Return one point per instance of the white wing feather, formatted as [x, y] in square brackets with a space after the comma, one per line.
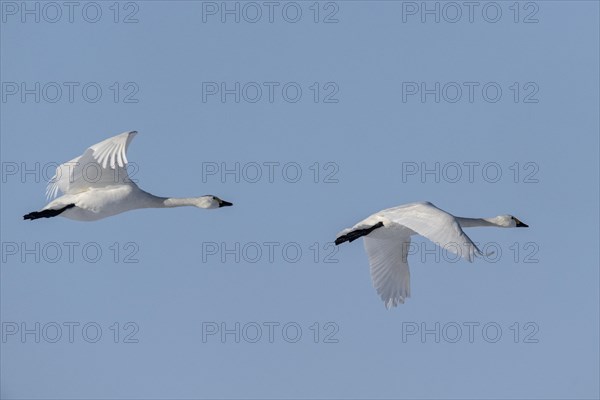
[389, 268]
[108, 160]
[435, 224]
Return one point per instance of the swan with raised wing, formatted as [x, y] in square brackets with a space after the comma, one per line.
[96, 185]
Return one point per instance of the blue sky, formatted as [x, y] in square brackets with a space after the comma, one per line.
[349, 102]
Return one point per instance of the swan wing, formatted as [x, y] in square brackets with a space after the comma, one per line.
[435, 224]
[101, 165]
[389, 268]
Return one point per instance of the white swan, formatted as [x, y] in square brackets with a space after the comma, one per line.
[387, 239]
[96, 185]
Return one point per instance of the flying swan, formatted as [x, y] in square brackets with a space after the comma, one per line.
[387, 238]
[96, 185]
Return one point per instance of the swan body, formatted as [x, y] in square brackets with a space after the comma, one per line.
[96, 185]
[387, 236]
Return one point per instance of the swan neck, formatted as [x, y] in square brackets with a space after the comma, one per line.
[475, 222]
[151, 201]
[180, 202]
[143, 199]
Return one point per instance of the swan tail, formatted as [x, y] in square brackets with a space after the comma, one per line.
[353, 235]
[47, 213]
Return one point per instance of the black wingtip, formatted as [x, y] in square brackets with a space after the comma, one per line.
[352, 236]
[46, 213]
[33, 215]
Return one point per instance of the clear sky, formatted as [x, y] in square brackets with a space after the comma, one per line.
[492, 109]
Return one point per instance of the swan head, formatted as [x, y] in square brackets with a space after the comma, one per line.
[509, 221]
[211, 201]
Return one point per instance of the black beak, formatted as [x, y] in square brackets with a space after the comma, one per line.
[521, 224]
[224, 203]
